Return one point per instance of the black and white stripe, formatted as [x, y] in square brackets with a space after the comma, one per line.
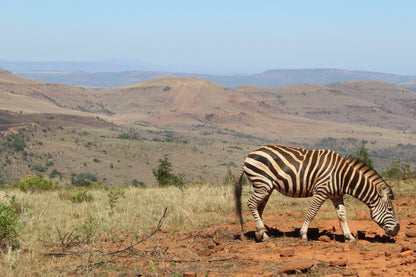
[320, 174]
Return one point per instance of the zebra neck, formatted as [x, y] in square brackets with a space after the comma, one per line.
[357, 185]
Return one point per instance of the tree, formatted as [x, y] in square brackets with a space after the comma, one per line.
[400, 170]
[164, 174]
[362, 153]
[229, 178]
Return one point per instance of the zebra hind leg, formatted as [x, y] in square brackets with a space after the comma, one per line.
[256, 204]
[317, 200]
[342, 217]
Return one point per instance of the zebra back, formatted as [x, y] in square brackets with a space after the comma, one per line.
[371, 174]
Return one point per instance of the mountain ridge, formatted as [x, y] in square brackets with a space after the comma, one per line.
[269, 78]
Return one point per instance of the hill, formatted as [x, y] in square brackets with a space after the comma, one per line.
[55, 96]
[270, 78]
[119, 134]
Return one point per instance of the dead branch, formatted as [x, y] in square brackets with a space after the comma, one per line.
[68, 239]
[198, 260]
[159, 225]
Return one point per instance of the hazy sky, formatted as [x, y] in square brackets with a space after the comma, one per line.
[225, 34]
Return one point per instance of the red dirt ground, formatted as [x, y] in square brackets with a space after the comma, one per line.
[217, 250]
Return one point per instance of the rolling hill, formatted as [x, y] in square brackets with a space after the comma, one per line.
[270, 78]
[120, 133]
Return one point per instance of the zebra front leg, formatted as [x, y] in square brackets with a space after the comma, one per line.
[342, 217]
[317, 200]
[256, 204]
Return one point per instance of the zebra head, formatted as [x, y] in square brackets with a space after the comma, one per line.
[382, 211]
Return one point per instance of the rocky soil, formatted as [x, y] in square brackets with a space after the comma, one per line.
[218, 250]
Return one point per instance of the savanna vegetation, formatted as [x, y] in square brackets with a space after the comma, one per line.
[77, 229]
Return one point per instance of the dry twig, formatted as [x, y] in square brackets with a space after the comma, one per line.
[159, 225]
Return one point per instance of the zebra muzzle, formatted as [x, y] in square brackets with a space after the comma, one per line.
[392, 232]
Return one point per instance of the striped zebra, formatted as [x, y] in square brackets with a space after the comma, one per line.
[319, 174]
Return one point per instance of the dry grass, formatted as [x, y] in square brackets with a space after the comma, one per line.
[47, 218]
[53, 224]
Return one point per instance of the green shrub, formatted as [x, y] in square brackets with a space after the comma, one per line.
[9, 226]
[83, 179]
[229, 178]
[89, 228]
[55, 173]
[81, 196]
[34, 183]
[138, 184]
[165, 176]
[362, 154]
[400, 170]
[114, 194]
[39, 168]
[16, 142]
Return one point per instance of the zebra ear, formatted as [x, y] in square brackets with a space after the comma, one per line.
[382, 192]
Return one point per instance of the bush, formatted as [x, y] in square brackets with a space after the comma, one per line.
[39, 168]
[34, 183]
[229, 178]
[9, 227]
[83, 179]
[16, 142]
[165, 176]
[362, 154]
[138, 184]
[55, 173]
[400, 170]
[82, 196]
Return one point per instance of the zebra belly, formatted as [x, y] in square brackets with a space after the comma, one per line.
[299, 192]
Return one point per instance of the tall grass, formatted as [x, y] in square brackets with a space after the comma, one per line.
[50, 220]
[48, 217]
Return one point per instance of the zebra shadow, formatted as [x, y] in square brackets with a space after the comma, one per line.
[314, 234]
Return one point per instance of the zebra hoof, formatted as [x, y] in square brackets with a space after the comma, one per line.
[261, 236]
[353, 241]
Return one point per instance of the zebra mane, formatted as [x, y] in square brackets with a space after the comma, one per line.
[369, 171]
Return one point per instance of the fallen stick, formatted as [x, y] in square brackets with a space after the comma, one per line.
[199, 260]
[159, 225]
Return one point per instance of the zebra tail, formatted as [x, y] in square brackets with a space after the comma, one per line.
[238, 188]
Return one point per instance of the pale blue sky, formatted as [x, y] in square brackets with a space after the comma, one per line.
[233, 35]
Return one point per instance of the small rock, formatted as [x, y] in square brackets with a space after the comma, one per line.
[412, 221]
[338, 262]
[287, 252]
[189, 274]
[324, 238]
[406, 253]
[411, 232]
[296, 265]
[376, 272]
[408, 246]
[364, 273]
[204, 252]
[268, 274]
[270, 245]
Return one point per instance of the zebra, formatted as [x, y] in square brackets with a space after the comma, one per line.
[320, 174]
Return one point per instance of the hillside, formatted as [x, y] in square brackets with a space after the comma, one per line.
[53, 95]
[119, 134]
[270, 78]
[372, 103]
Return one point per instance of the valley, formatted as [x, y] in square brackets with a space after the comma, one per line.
[119, 134]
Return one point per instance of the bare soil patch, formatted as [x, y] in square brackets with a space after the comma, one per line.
[218, 251]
